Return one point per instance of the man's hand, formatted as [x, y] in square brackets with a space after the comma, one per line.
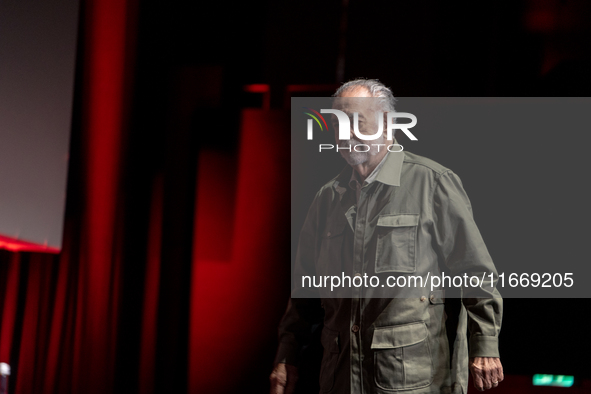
[487, 372]
[283, 379]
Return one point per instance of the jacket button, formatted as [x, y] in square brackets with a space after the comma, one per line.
[423, 298]
[355, 328]
[328, 234]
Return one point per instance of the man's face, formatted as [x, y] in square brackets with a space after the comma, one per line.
[360, 101]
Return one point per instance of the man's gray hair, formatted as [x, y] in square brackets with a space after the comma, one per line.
[375, 89]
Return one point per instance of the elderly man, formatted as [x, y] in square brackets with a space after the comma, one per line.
[387, 213]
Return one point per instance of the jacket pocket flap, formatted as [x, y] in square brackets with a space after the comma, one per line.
[398, 336]
[394, 220]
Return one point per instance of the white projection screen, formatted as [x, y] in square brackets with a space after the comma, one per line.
[37, 62]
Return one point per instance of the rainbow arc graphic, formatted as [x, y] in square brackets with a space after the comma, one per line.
[315, 117]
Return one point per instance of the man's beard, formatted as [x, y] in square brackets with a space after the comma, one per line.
[355, 158]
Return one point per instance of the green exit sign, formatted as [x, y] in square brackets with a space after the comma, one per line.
[553, 380]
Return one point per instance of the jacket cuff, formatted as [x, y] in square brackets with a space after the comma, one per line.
[484, 346]
[287, 353]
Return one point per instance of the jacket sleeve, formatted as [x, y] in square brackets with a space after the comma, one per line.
[303, 309]
[463, 250]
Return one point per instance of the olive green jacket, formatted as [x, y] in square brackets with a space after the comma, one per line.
[413, 218]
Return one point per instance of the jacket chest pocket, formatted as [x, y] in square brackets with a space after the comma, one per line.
[396, 238]
[402, 357]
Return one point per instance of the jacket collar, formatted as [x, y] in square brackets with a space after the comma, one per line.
[389, 174]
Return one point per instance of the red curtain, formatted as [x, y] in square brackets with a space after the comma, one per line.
[59, 312]
[239, 293]
[171, 265]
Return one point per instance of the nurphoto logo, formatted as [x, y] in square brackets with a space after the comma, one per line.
[344, 125]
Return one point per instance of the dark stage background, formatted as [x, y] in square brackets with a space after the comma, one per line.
[175, 265]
